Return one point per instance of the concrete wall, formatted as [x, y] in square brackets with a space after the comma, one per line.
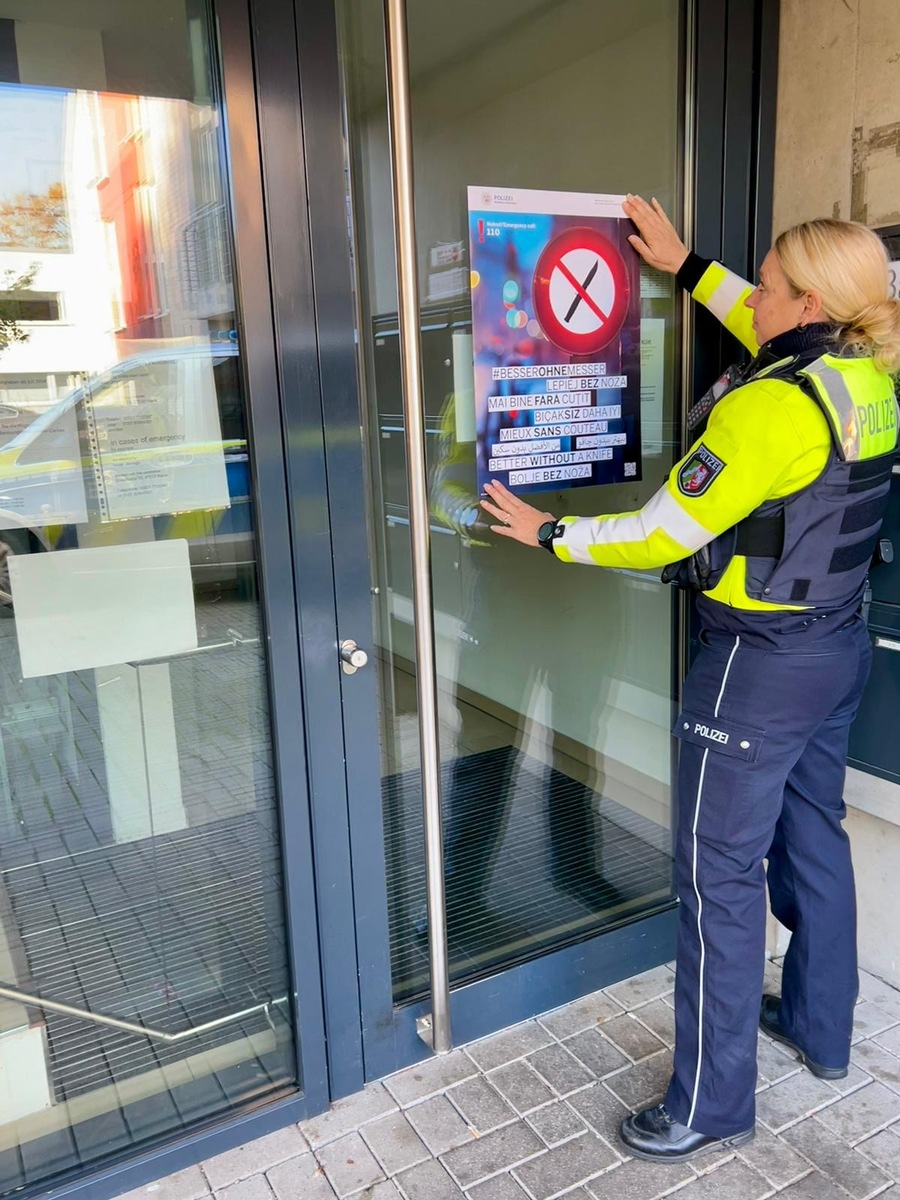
[838, 142]
[838, 154]
[876, 855]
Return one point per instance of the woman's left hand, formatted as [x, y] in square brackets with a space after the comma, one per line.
[519, 520]
[657, 240]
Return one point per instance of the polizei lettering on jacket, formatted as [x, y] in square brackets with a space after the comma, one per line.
[876, 416]
[714, 735]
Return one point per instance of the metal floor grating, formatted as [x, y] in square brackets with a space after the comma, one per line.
[533, 859]
[169, 933]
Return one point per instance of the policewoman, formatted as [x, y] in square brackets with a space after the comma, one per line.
[773, 517]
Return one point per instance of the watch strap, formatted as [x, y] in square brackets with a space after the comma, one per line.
[546, 539]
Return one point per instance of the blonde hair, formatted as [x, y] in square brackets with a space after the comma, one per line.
[847, 265]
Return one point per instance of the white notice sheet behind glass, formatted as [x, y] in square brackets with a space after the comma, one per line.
[77, 609]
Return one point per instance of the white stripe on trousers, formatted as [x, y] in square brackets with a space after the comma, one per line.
[690, 1120]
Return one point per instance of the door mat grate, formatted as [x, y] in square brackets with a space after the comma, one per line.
[169, 932]
[534, 860]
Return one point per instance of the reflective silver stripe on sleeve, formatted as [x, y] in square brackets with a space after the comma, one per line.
[662, 513]
[727, 294]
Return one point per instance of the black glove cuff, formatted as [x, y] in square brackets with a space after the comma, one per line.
[692, 271]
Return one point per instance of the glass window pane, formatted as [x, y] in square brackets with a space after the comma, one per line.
[556, 682]
[140, 884]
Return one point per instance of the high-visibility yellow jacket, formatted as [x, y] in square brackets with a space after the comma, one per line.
[767, 441]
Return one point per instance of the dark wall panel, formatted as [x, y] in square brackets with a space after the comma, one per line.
[9, 58]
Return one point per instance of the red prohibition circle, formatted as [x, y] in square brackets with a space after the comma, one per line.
[580, 310]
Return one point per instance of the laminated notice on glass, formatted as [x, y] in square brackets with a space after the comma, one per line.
[556, 339]
[140, 439]
[154, 435]
[41, 478]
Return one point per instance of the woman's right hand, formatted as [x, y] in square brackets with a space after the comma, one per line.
[657, 240]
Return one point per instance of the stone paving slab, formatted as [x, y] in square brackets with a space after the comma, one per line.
[658, 1017]
[558, 1122]
[439, 1125]
[835, 1159]
[395, 1143]
[532, 1113]
[520, 1086]
[774, 1159]
[480, 1105]
[635, 1180]
[255, 1157]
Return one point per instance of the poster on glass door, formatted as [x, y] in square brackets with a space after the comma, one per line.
[556, 339]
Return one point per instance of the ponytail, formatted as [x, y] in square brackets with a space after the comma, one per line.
[876, 331]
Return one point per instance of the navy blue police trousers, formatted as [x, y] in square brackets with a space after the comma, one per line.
[764, 736]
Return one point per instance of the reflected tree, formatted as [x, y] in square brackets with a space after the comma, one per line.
[12, 289]
[35, 220]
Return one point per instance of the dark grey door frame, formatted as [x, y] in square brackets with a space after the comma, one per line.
[735, 86]
[301, 147]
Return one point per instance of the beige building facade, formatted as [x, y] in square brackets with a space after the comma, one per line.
[838, 154]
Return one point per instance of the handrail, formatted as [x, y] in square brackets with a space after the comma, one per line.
[85, 1014]
[438, 1028]
[237, 639]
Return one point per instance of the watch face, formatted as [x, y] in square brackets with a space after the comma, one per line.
[546, 531]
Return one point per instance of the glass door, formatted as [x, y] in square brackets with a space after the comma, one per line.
[556, 682]
[144, 978]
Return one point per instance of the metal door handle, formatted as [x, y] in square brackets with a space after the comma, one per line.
[884, 643]
[352, 658]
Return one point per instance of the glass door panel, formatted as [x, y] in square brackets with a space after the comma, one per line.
[143, 973]
[556, 682]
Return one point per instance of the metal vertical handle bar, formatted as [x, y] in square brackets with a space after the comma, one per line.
[414, 421]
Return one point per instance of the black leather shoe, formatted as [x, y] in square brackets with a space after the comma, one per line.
[769, 1023]
[655, 1135]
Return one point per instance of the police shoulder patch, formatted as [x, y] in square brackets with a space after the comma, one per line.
[698, 472]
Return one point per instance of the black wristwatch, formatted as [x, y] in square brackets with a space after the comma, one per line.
[548, 533]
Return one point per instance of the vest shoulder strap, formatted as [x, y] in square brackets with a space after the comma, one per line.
[858, 403]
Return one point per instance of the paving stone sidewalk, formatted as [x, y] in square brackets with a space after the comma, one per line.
[531, 1114]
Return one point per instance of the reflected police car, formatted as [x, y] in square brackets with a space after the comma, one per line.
[158, 436]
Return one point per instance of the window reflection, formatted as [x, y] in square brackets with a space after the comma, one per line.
[139, 852]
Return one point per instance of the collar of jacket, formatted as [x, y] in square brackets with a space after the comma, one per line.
[821, 337]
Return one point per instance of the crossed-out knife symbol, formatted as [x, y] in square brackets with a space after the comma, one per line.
[580, 295]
